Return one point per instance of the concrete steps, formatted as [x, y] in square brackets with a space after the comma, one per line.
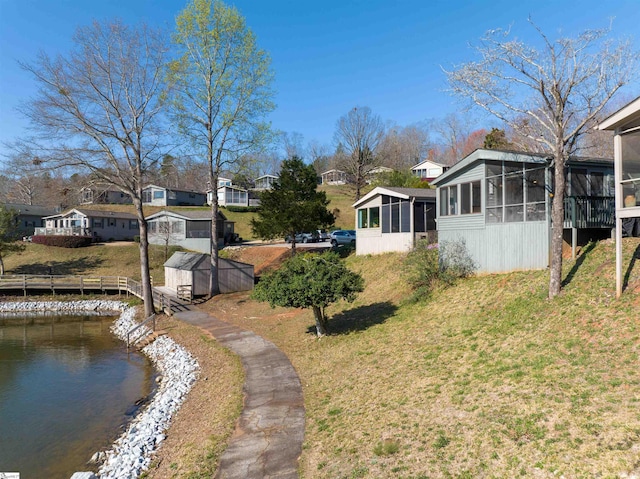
[149, 338]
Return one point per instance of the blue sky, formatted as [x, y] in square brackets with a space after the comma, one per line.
[328, 55]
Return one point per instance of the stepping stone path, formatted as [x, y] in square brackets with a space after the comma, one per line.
[268, 438]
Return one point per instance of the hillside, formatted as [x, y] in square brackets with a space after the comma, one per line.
[340, 197]
[488, 378]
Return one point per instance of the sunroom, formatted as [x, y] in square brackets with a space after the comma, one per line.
[499, 203]
[393, 219]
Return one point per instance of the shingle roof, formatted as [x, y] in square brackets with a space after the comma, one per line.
[35, 210]
[186, 261]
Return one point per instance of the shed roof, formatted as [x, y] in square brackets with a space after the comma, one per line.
[187, 261]
[482, 154]
[96, 214]
[194, 215]
[404, 193]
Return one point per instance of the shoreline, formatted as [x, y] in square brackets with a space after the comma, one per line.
[132, 451]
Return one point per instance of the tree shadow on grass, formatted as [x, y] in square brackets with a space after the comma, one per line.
[74, 266]
[578, 263]
[359, 319]
[634, 258]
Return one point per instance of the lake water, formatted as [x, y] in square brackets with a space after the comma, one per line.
[67, 387]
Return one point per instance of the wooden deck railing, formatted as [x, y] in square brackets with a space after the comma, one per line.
[589, 212]
[67, 283]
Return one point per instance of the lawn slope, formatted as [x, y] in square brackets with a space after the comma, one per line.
[486, 379]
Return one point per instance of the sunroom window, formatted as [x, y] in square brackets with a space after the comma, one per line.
[630, 153]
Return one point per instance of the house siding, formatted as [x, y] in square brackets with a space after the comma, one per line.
[372, 241]
[513, 246]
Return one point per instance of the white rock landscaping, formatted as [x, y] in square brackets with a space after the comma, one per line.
[131, 453]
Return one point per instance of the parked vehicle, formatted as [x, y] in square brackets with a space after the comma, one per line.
[303, 238]
[323, 235]
[339, 237]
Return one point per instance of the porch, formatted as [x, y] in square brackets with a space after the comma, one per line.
[71, 231]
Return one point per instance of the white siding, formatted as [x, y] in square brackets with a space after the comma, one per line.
[372, 241]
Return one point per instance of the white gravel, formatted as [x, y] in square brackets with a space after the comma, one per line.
[131, 453]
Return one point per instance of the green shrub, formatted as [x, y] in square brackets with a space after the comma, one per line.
[136, 238]
[243, 209]
[63, 241]
[430, 265]
[386, 448]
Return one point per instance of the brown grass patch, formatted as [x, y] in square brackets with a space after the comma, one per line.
[200, 429]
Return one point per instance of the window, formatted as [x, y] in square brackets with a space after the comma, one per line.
[515, 193]
[424, 216]
[158, 195]
[369, 217]
[630, 153]
[133, 224]
[444, 201]
[97, 223]
[363, 220]
[395, 215]
[146, 196]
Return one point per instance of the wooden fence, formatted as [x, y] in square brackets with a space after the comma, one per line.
[68, 283]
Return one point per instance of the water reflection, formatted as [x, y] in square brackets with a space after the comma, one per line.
[65, 386]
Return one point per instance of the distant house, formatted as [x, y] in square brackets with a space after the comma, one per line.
[264, 182]
[334, 177]
[190, 229]
[230, 196]
[428, 170]
[393, 219]
[29, 217]
[194, 270]
[154, 195]
[103, 195]
[499, 203]
[101, 225]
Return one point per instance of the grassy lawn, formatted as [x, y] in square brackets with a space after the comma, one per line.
[486, 379]
[103, 259]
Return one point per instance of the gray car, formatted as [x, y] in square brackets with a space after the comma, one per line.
[339, 237]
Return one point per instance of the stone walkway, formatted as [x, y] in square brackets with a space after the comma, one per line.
[268, 438]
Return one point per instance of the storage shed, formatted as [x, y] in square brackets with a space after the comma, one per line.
[193, 269]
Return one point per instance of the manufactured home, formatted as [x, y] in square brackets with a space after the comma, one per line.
[190, 229]
[393, 219]
[499, 204]
[153, 195]
[101, 225]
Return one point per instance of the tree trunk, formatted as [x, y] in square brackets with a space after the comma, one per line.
[557, 227]
[147, 291]
[214, 283]
[320, 323]
[293, 245]
[1, 266]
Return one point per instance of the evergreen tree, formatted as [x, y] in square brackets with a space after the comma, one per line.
[293, 205]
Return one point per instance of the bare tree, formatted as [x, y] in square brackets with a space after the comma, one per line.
[98, 109]
[292, 144]
[403, 147]
[221, 85]
[360, 132]
[560, 89]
